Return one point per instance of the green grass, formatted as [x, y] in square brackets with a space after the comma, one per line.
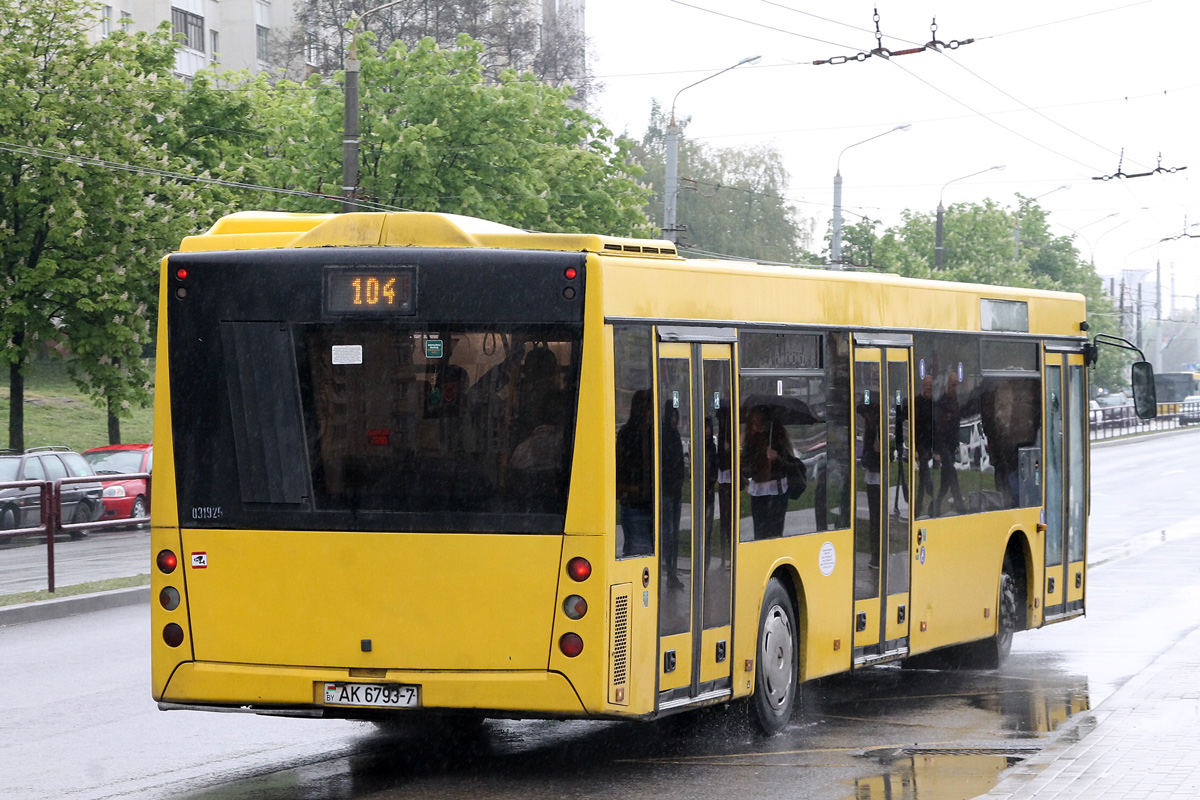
[79, 588]
[57, 413]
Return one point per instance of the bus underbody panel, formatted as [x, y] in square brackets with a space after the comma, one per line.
[225, 687]
[370, 600]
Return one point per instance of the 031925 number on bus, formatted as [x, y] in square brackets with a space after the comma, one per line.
[390, 695]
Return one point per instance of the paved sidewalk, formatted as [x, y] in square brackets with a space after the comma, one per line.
[1142, 743]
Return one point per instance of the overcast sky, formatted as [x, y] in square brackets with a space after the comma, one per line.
[1051, 90]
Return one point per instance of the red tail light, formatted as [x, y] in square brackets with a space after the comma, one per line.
[571, 644]
[167, 562]
[579, 569]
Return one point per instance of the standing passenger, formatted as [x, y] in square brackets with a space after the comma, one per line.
[635, 475]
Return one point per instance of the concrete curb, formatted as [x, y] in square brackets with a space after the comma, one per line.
[70, 606]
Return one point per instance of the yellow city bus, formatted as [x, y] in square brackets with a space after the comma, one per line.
[418, 466]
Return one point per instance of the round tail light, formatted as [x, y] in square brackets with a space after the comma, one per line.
[579, 569]
[571, 644]
[173, 636]
[575, 606]
[169, 598]
[167, 562]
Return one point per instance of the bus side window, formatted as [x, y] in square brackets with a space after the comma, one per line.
[633, 385]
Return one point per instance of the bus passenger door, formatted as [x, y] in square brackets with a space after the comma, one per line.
[1066, 486]
[882, 525]
[695, 522]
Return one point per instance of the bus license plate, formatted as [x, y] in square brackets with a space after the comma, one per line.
[389, 695]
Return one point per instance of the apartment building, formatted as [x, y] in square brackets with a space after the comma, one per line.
[255, 35]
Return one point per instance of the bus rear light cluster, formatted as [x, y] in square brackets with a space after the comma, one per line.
[579, 569]
[571, 644]
[173, 635]
[575, 607]
[167, 562]
[168, 598]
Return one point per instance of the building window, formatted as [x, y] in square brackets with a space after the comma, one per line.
[126, 20]
[106, 20]
[215, 40]
[190, 27]
[262, 40]
[312, 47]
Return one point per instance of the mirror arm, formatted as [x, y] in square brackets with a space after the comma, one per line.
[1092, 350]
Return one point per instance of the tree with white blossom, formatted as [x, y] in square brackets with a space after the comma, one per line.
[94, 140]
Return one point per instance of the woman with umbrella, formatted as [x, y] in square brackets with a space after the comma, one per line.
[768, 464]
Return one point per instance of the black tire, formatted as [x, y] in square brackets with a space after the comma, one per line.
[776, 676]
[1007, 612]
[139, 509]
[8, 519]
[81, 515]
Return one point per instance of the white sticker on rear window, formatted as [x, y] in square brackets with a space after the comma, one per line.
[347, 354]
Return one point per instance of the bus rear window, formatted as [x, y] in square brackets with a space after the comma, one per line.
[374, 426]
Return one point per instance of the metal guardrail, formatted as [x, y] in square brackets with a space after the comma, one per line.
[1113, 422]
[50, 507]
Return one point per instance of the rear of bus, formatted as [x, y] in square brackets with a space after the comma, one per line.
[367, 457]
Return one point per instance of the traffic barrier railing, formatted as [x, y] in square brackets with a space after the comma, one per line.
[50, 512]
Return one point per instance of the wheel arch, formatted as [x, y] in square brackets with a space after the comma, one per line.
[1019, 552]
[793, 584]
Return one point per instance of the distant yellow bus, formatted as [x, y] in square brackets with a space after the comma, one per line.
[425, 467]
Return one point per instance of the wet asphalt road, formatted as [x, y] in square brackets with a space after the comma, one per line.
[78, 721]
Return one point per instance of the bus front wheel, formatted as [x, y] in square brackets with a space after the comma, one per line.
[777, 686]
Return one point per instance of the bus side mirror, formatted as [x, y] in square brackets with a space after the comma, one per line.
[1145, 402]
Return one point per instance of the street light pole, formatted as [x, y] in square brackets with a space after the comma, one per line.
[350, 115]
[1021, 212]
[938, 249]
[1091, 249]
[835, 249]
[671, 189]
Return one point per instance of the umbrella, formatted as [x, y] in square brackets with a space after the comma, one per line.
[784, 410]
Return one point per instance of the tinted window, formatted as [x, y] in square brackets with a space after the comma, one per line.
[634, 401]
[378, 426]
[433, 421]
[33, 470]
[55, 468]
[77, 465]
[794, 401]
[8, 468]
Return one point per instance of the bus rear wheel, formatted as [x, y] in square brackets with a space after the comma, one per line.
[776, 681]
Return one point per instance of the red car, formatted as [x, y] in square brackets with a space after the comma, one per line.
[123, 498]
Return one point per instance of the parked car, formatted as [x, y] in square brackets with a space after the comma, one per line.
[1114, 410]
[123, 498]
[1189, 410]
[1095, 414]
[22, 508]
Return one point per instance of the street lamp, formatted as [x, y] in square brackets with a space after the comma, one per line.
[1091, 249]
[1092, 255]
[835, 250]
[671, 190]
[941, 213]
[350, 119]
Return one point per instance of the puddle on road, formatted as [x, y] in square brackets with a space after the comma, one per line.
[934, 777]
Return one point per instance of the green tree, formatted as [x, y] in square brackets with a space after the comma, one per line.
[730, 200]
[987, 243]
[90, 134]
[438, 136]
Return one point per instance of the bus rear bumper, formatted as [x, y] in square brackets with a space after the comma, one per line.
[299, 691]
